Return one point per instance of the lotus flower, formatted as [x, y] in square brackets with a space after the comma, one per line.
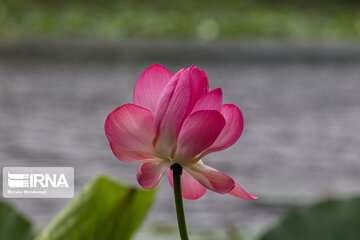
[176, 119]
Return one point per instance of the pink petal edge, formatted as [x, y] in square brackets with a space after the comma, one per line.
[131, 156]
[239, 192]
[131, 128]
[232, 130]
[199, 83]
[198, 132]
[210, 101]
[211, 178]
[150, 173]
[150, 85]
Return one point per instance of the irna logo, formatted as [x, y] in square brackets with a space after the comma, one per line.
[18, 180]
[38, 182]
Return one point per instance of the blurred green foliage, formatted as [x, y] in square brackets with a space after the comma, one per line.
[13, 225]
[104, 210]
[293, 20]
[328, 220]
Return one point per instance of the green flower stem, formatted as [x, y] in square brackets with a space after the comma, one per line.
[177, 171]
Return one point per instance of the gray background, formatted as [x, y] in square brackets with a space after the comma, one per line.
[301, 107]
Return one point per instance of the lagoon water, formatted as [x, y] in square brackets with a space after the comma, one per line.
[301, 140]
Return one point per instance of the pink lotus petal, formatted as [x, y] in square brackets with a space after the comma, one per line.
[149, 173]
[211, 178]
[150, 85]
[210, 101]
[190, 188]
[130, 156]
[199, 83]
[171, 111]
[176, 103]
[232, 130]
[241, 193]
[205, 80]
[198, 132]
[165, 98]
[131, 128]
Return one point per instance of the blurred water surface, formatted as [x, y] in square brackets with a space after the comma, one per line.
[301, 138]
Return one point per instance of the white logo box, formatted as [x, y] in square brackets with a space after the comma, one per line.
[38, 182]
